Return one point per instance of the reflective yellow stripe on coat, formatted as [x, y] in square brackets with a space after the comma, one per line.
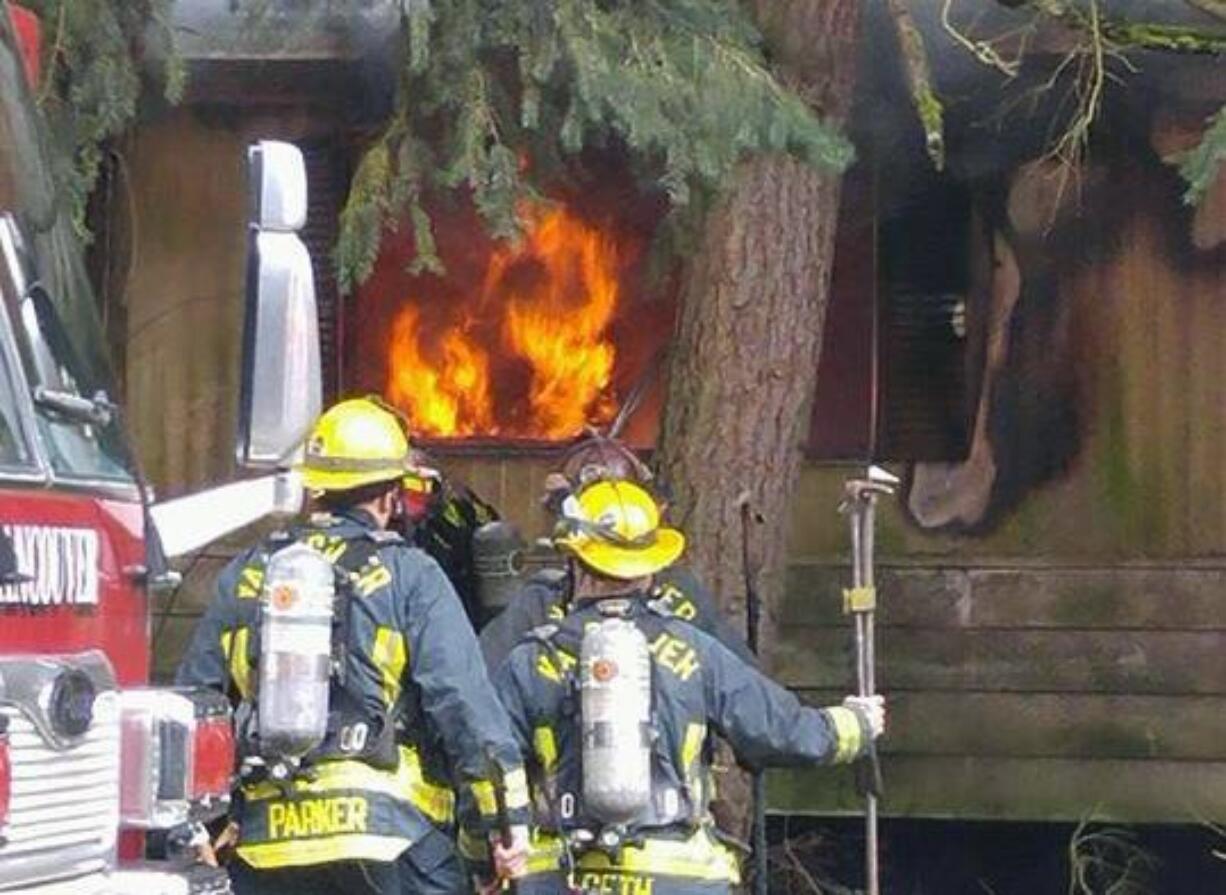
[234, 647]
[355, 846]
[515, 785]
[357, 782]
[407, 782]
[701, 857]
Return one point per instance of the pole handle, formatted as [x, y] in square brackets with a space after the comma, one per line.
[869, 781]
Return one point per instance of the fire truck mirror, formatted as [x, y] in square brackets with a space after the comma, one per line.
[277, 176]
[281, 384]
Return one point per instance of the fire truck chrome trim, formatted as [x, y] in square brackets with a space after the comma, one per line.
[153, 878]
[161, 783]
[28, 683]
[64, 814]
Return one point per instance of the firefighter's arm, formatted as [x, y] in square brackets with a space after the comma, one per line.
[204, 663]
[456, 694]
[528, 609]
[508, 857]
[505, 679]
[768, 726]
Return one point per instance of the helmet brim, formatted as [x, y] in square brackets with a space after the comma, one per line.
[337, 480]
[615, 561]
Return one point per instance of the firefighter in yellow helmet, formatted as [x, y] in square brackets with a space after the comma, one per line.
[404, 710]
[546, 595]
[616, 703]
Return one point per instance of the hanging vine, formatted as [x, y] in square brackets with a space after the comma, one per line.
[1097, 38]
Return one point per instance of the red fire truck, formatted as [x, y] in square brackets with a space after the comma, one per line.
[92, 759]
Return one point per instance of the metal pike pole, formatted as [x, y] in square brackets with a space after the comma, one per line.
[860, 601]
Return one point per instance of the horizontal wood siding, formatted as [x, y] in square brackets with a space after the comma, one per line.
[1047, 725]
[1072, 658]
[974, 787]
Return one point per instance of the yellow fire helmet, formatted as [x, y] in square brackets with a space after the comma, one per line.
[613, 527]
[354, 443]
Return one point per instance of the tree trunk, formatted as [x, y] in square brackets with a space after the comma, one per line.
[744, 365]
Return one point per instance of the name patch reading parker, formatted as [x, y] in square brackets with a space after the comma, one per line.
[60, 566]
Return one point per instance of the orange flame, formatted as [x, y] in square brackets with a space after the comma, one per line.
[450, 396]
[559, 325]
[547, 303]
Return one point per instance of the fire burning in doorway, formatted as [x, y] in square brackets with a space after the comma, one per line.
[532, 340]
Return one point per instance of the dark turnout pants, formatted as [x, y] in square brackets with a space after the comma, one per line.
[429, 867]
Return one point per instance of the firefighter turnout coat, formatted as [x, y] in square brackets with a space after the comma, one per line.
[699, 688]
[447, 535]
[411, 659]
[545, 598]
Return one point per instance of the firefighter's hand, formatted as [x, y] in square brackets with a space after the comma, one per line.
[511, 861]
[871, 709]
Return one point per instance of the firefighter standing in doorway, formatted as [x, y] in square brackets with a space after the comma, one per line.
[546, 596]
[615, 703]
[389, 668]
[441, 516]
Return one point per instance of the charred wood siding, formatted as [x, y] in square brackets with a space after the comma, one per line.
[923, 408]
[1069, 659]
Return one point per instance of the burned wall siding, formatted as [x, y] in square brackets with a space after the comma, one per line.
[1037, 231]
[1069, 658]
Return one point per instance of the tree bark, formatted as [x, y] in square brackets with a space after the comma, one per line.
[744, 364]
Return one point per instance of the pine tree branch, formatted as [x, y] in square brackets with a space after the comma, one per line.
[919, 81]
[92, 83]
[1201, 166]
[1069, 150]
[682, 85]
[53, 57]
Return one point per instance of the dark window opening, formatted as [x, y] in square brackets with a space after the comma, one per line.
[899, 295]
[925, 406]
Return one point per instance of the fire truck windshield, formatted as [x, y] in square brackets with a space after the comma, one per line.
[49, 303]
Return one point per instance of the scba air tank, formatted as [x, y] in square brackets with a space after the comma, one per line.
[615, 707]
[295, 651]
